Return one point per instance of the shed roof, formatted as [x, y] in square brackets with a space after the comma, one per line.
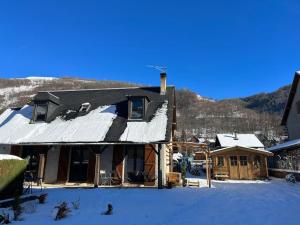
[256, 150]
[285, 145]
[245, 140]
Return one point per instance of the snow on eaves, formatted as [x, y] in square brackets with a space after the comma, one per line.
[146, 132]
[15, 127]
[284, 145]
[244, 140]
[9, 157]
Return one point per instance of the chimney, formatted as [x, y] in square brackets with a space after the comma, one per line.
[163, 83]
[235, 136]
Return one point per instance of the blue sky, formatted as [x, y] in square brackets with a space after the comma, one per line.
[217, 48]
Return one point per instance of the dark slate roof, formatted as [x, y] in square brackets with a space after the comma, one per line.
[67, 100]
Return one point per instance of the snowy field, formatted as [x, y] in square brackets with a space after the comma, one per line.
[232, 203]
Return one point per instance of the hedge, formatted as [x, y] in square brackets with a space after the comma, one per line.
[11, 177]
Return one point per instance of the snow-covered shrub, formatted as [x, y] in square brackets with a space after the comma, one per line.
[4, 218]
[61, 211]
[290, 178]
[109, 210]
[42, 198]
[76, 204]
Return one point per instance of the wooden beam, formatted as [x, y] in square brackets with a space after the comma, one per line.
[266, 162]
[97, 171]
[207, 178]
[41, 168]
[209, 171]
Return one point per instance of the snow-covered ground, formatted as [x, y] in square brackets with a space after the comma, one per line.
[267, 203]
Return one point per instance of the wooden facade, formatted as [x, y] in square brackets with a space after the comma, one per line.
[240, 163]
[81, 164]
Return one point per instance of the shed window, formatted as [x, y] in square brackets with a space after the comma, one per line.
[243, 160]
[136, 107]
[233, 160]
[40, 112]
[220, 161]
[257, 161]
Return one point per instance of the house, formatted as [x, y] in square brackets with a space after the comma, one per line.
[239, 156]
[81, 136]
[287, 155]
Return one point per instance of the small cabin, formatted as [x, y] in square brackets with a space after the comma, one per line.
[240, 163]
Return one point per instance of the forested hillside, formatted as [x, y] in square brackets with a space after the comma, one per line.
[196, 115]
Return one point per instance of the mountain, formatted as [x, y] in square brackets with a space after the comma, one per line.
[196, 115]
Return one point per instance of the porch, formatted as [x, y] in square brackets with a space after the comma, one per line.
[94, 165]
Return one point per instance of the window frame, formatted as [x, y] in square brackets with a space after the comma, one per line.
[35, 112]
[236, 160]
[218, 161]
[243, 162]
[130, 106]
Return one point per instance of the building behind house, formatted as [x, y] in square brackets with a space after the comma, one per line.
[287, 155]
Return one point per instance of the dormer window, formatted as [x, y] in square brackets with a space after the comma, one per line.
[136, 108]
[85, 107]
[40, 112]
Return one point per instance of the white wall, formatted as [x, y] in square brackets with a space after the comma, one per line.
[52, 165]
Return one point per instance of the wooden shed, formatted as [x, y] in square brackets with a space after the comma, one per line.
[240, 163]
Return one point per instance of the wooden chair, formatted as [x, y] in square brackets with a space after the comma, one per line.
[105, 178]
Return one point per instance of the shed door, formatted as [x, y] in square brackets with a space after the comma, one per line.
[234, 169]
[243, 167]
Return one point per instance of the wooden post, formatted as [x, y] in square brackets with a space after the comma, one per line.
[160, 179]
[97, 171]
[41, 168]
[266, 162]
[207, 175]
[209, 172]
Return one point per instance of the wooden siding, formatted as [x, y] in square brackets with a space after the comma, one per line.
[149, 165]
[63, 165]
[239, 171]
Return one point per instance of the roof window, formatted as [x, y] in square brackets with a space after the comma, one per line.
[85, 107]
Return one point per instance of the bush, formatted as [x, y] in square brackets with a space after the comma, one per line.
[12, 177]
[62, 211]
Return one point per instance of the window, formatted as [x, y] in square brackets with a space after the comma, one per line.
[256, 161]
[220, 162]
[40, 112]
[136, 109]
[85, 107]
[233, 160]
[243, 160]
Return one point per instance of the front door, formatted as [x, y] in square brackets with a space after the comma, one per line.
[79, 164]
[243, 167]
[234, 169]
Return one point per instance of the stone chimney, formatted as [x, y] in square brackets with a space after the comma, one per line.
[163, 83]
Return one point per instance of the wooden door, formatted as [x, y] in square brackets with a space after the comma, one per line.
[117, 167]
[63, 164]
[149, 165]
[256, 167]
[243, 167]
[233, 167]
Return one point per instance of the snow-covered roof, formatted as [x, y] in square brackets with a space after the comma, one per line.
[258, 150]
[245, 140]
[9, 157]
[16, 128]
[145, 132]
[284, 145]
